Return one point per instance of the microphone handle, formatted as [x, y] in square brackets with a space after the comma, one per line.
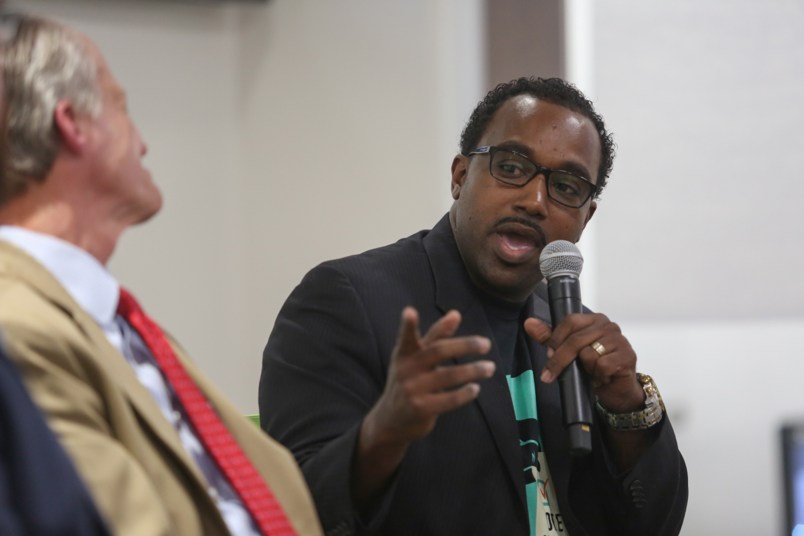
[564, 293]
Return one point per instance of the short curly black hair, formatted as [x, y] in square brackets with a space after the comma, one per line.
[554, 90]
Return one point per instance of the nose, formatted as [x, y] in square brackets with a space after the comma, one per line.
[138, 136]
[532, 197]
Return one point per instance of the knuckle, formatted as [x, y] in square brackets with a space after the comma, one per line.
[419, 405]
[409, 389]
[471, 346]
[459, 375]
[439, 349]
[400, 371]
[575, 340]
[471, 370]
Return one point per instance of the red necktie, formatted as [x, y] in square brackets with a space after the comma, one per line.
[244, 478]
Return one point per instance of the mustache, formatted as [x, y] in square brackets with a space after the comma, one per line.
[523, 221]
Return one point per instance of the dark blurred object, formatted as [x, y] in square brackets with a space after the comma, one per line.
[40, 491]
[792, 438]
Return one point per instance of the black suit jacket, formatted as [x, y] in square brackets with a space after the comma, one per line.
[40, 491]
[325, 365]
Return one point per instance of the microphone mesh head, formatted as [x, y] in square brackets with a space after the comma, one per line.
[560, 257]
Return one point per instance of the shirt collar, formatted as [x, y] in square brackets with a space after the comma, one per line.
[85, 279]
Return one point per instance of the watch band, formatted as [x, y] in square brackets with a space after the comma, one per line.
[643, 419]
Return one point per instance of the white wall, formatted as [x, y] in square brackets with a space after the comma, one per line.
[282, 134]
[698, 244]
[704, 99]
[728, 386]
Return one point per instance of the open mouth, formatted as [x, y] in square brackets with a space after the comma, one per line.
[518, 242]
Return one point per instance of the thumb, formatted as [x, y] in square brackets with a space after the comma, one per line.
[538, 330]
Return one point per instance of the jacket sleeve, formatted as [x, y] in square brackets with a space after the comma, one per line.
[650, 498]
[322, 372]
[656, 489]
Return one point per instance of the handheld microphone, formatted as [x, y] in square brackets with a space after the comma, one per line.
[561, 263]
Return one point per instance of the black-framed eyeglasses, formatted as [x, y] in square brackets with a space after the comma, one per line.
[516, 169]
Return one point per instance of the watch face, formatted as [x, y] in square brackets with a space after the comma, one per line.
[651, 392]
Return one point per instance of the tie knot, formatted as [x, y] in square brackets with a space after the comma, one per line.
[126, 304]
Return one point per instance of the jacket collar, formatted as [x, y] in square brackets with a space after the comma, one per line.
[16, 264]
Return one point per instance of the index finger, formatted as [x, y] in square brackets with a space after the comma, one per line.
[408, 339]
[572, 334]
[444, 327]
[571, 328]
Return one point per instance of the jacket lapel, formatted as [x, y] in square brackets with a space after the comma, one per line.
[453, 291]
[18, 265]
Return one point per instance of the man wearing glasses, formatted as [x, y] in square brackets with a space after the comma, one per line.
[458, 430]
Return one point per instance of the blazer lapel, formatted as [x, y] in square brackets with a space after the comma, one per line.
[19, 265]
[453, 291]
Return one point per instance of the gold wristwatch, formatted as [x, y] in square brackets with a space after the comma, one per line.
[643, 419]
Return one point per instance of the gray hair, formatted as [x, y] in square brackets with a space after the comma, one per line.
[42, 64]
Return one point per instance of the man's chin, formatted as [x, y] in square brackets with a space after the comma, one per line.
[150, 209]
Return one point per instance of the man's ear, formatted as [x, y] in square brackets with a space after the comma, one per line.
[71, 127]
[459, 164]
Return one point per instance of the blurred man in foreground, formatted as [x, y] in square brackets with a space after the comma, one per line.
[34, 470]
[159, 448]
[458, 430]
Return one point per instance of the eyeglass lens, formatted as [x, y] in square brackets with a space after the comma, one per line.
[511, 168]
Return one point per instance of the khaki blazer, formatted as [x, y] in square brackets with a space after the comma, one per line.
[130, 457]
